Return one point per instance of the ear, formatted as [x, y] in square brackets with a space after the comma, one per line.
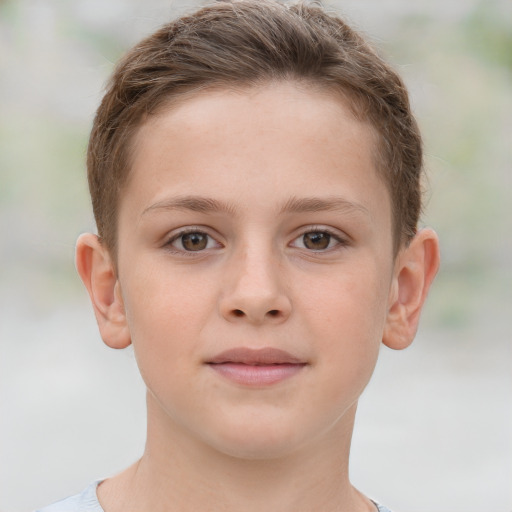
[96, 269]
[415, 268]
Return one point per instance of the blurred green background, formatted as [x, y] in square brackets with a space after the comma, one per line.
[55, 56]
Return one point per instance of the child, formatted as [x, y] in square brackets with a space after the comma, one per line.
[255, 177]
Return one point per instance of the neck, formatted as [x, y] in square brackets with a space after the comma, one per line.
[179, 473]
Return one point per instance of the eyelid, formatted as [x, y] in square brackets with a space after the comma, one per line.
[342, 239]
[177, 233]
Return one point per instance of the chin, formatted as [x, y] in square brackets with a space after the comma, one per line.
[252, 450]
[258, 441]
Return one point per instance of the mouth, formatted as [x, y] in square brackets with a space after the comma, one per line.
[256, 367]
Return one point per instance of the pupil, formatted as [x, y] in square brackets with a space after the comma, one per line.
[317, 240]
[194, 241]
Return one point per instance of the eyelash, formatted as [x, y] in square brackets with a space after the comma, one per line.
[189, 231]
[340, 241]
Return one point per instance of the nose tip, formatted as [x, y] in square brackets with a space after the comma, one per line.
[255, 301]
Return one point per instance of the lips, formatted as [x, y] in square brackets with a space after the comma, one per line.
[256, 367]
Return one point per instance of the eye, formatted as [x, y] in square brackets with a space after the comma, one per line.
[317, 240]
[193, 241]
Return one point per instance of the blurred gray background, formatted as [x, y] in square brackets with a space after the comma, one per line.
[434, 431]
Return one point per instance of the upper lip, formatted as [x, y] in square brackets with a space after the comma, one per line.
[260, 356]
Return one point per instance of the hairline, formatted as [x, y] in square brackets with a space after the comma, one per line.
[173, 99]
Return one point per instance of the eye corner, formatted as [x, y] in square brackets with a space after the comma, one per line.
[319, 240]
[190, 241]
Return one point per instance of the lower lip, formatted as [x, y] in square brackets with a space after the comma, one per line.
[257, 375]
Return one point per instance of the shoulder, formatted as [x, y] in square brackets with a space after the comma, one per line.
[381, 508]
[87, 501]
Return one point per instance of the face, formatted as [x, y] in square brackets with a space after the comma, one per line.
[255, 267]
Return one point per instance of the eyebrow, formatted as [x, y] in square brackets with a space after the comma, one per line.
[192, 203]
[315, 204]
[293, 205]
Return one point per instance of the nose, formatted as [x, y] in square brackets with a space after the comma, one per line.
[254, 290]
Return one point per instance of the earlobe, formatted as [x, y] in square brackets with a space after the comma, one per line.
[97, 272]
[415, 269]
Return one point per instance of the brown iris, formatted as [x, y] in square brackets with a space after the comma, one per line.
[194, 241]
[316, 240]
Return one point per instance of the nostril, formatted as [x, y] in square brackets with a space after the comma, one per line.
[238, 312]
[273, 312]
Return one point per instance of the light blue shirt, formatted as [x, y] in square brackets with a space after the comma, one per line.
[87, 501]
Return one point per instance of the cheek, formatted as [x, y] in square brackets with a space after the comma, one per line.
[351, 304]
[346, 318]
[167, 299]
[165, 315]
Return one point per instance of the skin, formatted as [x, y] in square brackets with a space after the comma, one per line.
[255, 175]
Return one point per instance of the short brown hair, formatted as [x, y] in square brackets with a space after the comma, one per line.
[246, 43]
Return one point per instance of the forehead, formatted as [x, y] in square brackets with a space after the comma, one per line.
[237, 141]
